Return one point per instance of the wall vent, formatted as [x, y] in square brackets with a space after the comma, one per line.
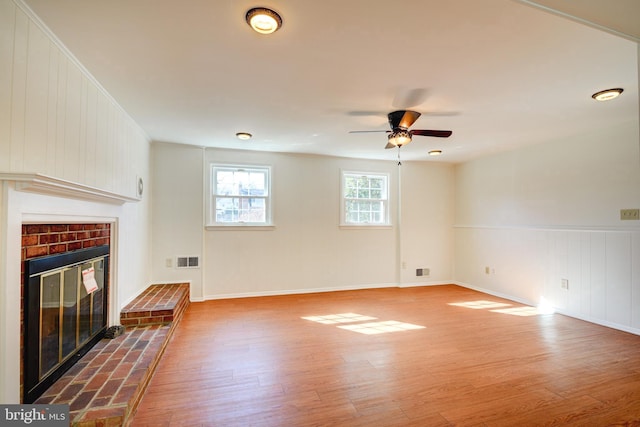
[187, 262]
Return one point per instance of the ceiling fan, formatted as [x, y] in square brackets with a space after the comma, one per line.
[400, 121]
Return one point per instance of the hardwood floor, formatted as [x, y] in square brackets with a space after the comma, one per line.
[257, 362]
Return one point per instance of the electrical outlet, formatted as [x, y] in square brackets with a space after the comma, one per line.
[630, 214]
[564, 283]
[168, 262]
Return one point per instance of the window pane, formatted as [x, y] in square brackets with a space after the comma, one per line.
[240, 209]
[225, 183]
[251, 210]
[240, 182]
[226, 209]
[256, 184]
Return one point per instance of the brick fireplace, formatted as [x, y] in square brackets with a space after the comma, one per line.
[41, 216]
[44, 242]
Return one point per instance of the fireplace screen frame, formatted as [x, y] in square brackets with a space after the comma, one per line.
[88, 327]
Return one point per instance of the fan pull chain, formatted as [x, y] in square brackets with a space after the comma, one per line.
[399, 162]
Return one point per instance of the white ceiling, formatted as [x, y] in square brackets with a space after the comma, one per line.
[498, 73]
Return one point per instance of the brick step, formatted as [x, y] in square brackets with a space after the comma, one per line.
[157, 305]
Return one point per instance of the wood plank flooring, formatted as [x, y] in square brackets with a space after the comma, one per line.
[257, 362]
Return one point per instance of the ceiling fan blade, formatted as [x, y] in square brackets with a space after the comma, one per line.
[368, 131]
[409, 98]
[365, 113]
[436, 133]
[403, 118]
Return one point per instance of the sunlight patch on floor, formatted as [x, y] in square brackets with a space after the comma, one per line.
[374, 328]
[503, 308]
[331, 319]
[355, 323]
[519, 311]
[480, 304]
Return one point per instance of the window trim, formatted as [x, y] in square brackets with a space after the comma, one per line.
[212, 224]
[387, 202]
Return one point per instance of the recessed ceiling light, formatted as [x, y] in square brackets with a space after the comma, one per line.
[244, 135]
[435, 152]
[263, 20]
[606, 95]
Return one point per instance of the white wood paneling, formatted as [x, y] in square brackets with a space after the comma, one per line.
[90, 135]
[60, 115]
[72, 124]
[618, 278]
[102, 121]
[52, 108]
[603, 269]
[598, 274]
[635, 280]
[574, 271]
[35, 130]
[56, 119]
[585, 274]
[18, 92]
[7, 42]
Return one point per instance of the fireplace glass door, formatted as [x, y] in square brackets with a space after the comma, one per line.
[62, 319]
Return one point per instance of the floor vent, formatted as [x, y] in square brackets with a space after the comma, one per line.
[187, 262]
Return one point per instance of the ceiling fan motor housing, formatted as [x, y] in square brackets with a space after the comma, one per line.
[402, 119]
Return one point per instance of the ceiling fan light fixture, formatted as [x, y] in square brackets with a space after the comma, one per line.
[243, 135]
[435, 152]
[263, 20]
[608, 94]
[399, 137]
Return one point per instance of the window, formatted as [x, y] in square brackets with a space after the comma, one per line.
[240, 195]
[365, 198]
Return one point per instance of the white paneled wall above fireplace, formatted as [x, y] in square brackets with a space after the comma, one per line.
[61, 129]
[55, 119]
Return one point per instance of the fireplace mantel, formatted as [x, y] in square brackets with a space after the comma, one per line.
[43, 184]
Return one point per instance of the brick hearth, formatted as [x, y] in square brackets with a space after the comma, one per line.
[106, 385]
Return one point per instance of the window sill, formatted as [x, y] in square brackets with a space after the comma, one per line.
[237, 227]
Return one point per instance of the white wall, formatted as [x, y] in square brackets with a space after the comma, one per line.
[55, 120]
[307, 250]
[177, 214]
[549, 212]
[427, 222]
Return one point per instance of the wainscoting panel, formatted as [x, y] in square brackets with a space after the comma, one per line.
[586, 273]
